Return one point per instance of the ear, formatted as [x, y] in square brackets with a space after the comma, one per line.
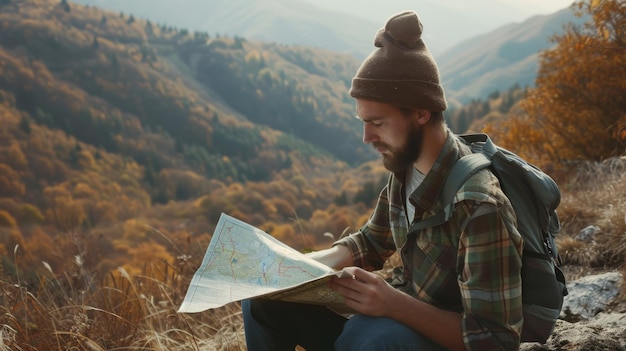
[423, 116]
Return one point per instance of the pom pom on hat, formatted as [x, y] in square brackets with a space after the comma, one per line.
[401, 71]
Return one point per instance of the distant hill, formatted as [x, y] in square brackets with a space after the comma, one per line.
[279, 21]
[496, 60]
[500, 59]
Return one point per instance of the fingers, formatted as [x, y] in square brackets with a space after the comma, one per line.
[358, 293]
[364, 291]
[347, 282]
[356, 273]
[350, 289]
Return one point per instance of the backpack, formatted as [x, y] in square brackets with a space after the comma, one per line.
[535, 197]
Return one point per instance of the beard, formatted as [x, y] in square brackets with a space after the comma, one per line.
[401, 158]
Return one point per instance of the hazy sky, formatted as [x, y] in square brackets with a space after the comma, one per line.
[448, 22]
[539, 6]
[507, 10]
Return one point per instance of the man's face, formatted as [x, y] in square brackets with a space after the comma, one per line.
[394, 133]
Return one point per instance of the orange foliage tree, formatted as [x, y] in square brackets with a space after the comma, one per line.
[10, 235]
[578, 108]
[10, 183]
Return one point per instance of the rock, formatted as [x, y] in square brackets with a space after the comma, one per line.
[588, 328]
[588, 233]
[590, 295]
[607, 333]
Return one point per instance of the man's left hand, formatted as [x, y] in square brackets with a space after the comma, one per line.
[366, 292]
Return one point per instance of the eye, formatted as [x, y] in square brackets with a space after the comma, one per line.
[376, 122]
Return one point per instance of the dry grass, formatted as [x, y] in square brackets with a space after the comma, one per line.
[595, 197]
[123, 313]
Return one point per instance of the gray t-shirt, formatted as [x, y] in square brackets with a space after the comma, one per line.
[413, 180]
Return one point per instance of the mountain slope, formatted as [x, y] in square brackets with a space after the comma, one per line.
[280, 21]
[501, 58]
[496, 60]
[111, 126]
[219, 107]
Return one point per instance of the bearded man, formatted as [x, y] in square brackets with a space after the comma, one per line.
[459, 283]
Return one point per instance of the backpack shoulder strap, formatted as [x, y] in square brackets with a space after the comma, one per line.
[462, 170]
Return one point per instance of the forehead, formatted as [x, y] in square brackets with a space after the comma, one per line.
[368, 109]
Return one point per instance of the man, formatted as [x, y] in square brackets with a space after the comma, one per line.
[460, 287]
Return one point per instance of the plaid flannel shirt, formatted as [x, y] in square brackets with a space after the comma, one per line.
[470, 264]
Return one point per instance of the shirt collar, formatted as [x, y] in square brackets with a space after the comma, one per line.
[426, 195]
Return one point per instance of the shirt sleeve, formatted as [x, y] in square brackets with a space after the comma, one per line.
[490, 281]
[373, 244]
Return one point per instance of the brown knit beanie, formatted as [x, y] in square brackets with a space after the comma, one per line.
[401, 71]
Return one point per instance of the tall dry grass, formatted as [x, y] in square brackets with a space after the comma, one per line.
[71, 311]
[595, 197]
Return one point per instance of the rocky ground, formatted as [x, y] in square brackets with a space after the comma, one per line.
[605, 331]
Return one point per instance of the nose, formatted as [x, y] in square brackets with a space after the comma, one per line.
[369, 135]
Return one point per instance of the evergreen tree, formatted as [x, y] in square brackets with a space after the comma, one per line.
[25, 125]
[114, 61]
[149, 28]
[65, 5]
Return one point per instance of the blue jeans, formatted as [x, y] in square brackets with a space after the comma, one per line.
[277, 326]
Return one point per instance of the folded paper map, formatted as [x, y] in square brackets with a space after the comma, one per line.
[243, 262]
